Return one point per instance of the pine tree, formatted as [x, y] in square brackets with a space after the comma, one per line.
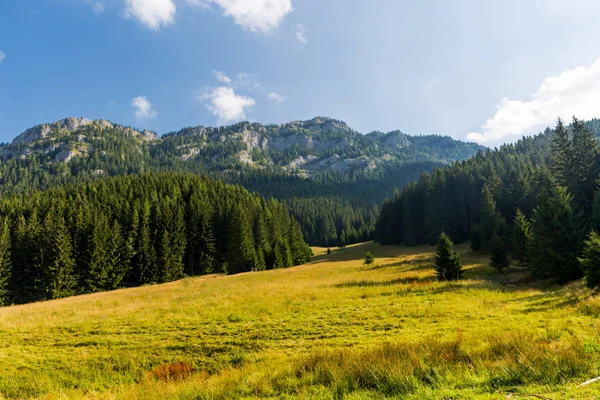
[521, 236]
[447, 262]
[556, 238]
[590, 261]
[369, 259]
[5, 263]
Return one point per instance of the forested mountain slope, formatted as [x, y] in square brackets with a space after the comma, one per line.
[134, 230]
[467, 199]
[332, 177]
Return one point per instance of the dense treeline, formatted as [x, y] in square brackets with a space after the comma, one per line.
[535, 200]
[137, 230]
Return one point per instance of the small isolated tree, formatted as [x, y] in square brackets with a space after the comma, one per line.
[369, 259]
[328, 251]
[499, 259]
[447, 262]
[590, 261]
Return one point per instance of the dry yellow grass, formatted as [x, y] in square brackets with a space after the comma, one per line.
[333, 328]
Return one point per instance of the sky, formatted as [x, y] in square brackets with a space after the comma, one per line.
[476, 70]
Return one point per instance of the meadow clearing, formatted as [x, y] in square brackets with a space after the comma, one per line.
[330, 329]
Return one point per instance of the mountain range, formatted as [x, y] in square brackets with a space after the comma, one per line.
[303, 163]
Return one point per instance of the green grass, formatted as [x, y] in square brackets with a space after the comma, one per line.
[331, 329]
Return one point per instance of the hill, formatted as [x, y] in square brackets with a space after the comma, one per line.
[330, 329]
[331, 177]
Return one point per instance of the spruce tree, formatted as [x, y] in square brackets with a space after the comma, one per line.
[120, 253]
[240, 251]
[5, 263]
[96, 273]
[448, 266]
[584, 164]
[369, 259]
[521, 236]
[562, 155]
[499, 254]
[489, 217]
[590, 261]
[56, 259]
[556, 238]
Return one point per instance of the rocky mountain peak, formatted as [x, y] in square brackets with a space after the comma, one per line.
[72, 125]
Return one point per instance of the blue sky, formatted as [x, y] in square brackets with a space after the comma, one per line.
[483, 71]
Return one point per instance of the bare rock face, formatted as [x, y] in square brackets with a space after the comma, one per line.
[191, 153]
[45, 130]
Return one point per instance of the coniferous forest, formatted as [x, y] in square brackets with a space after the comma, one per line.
[535, 201]
[136, 230]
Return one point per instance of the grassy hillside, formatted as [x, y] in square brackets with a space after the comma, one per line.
[330, 329]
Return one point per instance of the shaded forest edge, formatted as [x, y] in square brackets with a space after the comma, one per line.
[136, 230]
[534, 202]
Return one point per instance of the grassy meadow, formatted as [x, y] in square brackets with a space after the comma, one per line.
[330, 329]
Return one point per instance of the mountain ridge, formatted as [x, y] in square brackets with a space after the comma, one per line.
[314, 146]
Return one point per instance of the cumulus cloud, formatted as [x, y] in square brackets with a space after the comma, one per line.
[152, 13]
[143, 108]
[222, 77]
[573, 92]
[276, 98]
[227, 105]
[2, 56]
[259, 16]
[301, 33]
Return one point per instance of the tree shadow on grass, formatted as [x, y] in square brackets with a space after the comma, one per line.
[393, 282]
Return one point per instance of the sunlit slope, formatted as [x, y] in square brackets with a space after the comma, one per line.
[331, 328]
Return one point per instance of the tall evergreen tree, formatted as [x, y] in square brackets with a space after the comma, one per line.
[584, 164]
[590, 261]
[5, 263]
[56, 259]
[499, 254]
[556, 238]
[240, 253]
[489, 218]
[521, 236]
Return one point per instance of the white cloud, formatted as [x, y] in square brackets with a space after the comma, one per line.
[226, 105]
[152, 13]
[143, 108]
[574, 92]
[259, 16]
[2, 56]
[97, 6]
[277, 98]
[222, 77]
[301, 33]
